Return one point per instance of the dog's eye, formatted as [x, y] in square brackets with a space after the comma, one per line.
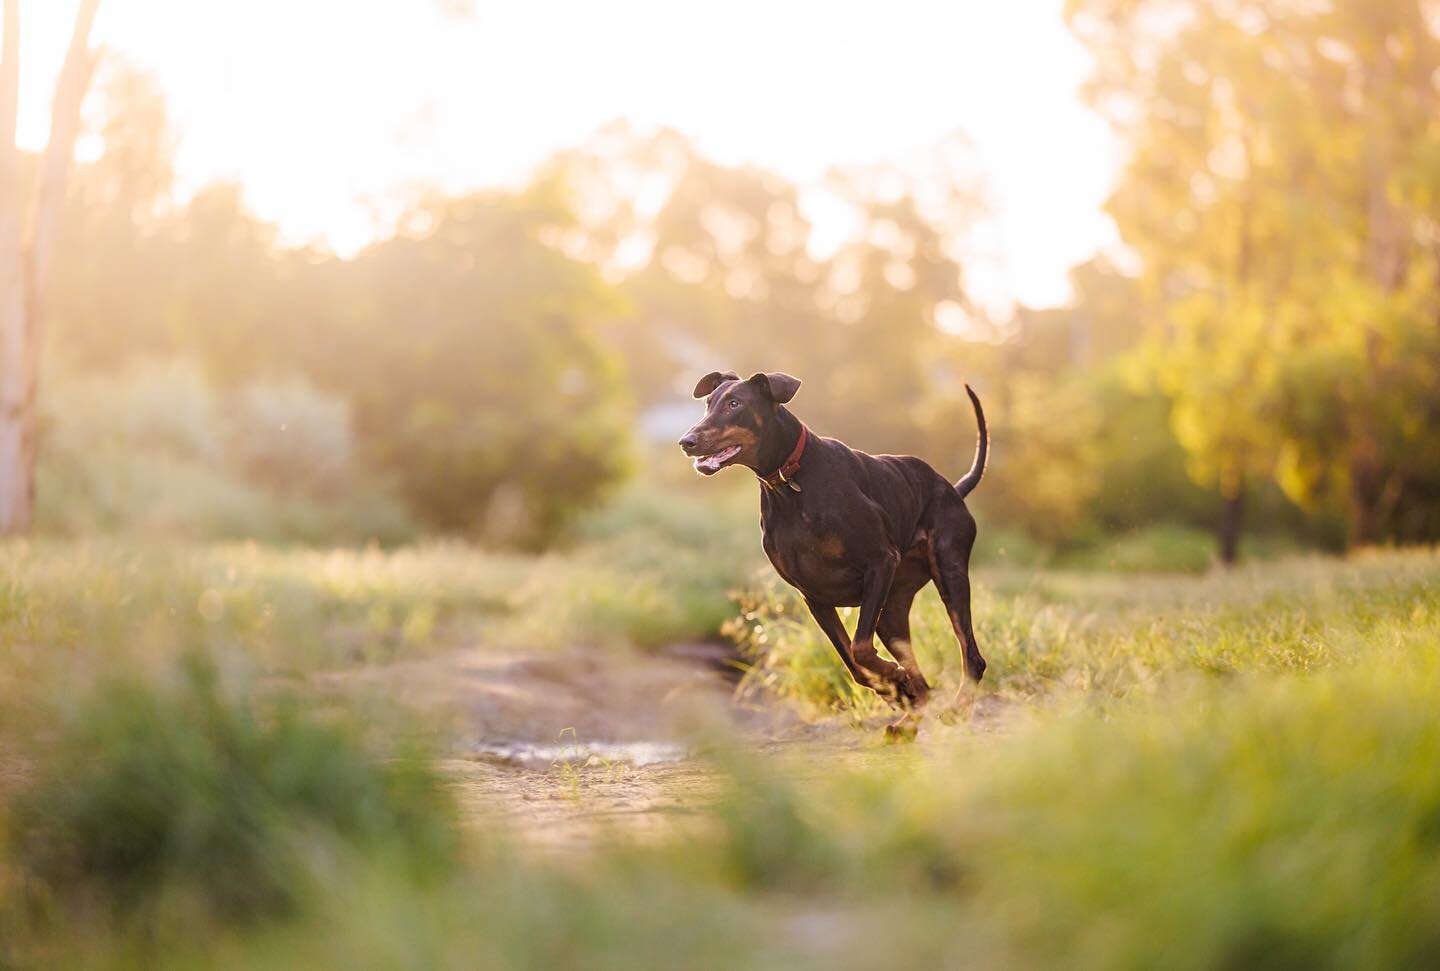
[733, 404]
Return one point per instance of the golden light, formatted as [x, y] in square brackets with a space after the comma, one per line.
[330, 112]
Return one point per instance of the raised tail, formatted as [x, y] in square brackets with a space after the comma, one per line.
[982, 449]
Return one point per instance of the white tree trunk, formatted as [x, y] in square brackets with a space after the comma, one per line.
[15, 505]
[16, 408]
[26, 249]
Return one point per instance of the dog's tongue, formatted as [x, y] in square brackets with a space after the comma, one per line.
[710, 464]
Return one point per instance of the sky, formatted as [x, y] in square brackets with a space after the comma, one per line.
[329, 112]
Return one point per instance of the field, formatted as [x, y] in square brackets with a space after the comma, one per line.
[243, 756]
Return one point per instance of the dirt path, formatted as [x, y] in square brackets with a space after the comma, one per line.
[566, 748]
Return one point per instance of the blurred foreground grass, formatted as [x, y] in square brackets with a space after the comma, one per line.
[1230, 770]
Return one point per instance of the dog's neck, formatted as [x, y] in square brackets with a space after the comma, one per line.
[778, 442]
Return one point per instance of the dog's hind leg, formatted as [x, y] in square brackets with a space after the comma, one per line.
[951, 539]
[879, 576]
[894, 627]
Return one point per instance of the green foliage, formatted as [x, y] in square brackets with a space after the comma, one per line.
[1044, 480]
[1227, 770]
[464, 346]
[158, 449]
[654, 569]
[184, 788]
[1141, 468]
[482, 384]
[733, 279]
[1285, 825]
[1280, 192]
[1049, 634]
[497, 350]
[1158, 549]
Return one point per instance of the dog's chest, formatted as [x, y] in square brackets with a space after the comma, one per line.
[810, 551]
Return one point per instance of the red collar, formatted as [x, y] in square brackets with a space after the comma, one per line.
[788, 468]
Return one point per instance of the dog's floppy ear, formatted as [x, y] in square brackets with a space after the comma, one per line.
[713, 380]
[778, 386]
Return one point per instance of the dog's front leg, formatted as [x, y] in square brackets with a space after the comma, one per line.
[879, 574]
[829, 620]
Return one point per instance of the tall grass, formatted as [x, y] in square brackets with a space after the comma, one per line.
[158, 803]
[643, 574]
[1231, 770]
[1288, 821]
[1051, 634]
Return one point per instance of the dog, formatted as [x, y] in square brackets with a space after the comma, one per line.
[846, 528]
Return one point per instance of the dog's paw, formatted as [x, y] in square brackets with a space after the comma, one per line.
[903, 730]
[915, 692]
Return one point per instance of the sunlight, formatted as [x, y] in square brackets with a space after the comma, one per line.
[327, 111]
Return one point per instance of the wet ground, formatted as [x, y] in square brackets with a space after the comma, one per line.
[564, 748]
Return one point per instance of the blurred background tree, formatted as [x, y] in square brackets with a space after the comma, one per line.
[1265, 354]
[1281, 193]
[32, 196]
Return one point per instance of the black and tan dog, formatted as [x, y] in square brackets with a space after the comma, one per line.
[846, 528]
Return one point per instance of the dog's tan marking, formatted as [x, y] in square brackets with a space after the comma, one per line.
[743, 437]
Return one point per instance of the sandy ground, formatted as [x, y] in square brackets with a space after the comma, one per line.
[567, 748]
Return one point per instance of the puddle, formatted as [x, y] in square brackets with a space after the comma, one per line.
[532, 755]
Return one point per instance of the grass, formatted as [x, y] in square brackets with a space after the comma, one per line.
[186, 784]
[1053, 634]
[642, 575]
[1229, 769]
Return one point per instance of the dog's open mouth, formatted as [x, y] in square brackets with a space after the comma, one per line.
[715, 461]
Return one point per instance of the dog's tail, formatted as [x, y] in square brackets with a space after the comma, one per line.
[982, 450]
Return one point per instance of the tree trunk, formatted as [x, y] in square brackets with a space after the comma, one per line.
[1365, 496]
[17, 406]
[1232, 516]
[25, 253]
[14, 490]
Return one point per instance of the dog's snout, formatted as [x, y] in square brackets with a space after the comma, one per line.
[689, 441]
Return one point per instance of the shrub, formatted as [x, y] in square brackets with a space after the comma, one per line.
[1292, 824]
[164, 791]
[159, 449]
[290, 437]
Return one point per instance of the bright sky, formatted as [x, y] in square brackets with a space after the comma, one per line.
[329, 110]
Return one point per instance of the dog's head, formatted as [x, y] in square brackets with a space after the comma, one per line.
[738, 416]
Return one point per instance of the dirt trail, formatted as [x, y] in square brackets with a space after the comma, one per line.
[565, 748]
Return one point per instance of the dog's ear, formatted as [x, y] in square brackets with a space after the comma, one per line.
[713, 380]
[778, 386]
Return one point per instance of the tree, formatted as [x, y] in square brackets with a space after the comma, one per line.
[470, 354]
[725, 272]
[30, 211]
[118, 260]
[1282, 192]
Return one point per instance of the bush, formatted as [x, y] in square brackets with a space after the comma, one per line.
[159, 792]
[1285, 825]
[158, 449]
[1280, 823]
[291, 438]
[477, 371]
